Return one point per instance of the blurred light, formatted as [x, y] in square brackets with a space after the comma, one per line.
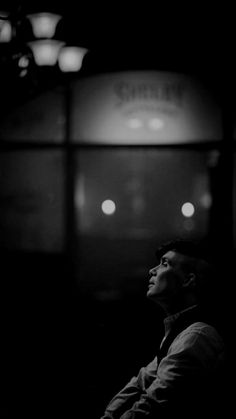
[108, 207]
[23, 72]
[206, 200]
[5, 29]
[135, 123]
[189, 224]
[44, 24]
[46, 51]
[80, 192]
[155, 124]
[23, 62]
[213, 159]
[188, 209]
[71, 58]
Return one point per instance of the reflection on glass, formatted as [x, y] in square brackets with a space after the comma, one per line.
[148, 187]
[31, 195]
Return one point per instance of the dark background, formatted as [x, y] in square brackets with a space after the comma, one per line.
[61, 363]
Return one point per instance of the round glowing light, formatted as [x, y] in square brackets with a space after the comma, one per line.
[188, 209]
[108, 207]
[155, 124]
[135, 123]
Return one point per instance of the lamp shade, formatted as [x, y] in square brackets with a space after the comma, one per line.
[44, 24]
[70, 58]
[5, 29]
[46, 51]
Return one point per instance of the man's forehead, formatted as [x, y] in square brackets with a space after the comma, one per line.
[174, 256]
[171, 254]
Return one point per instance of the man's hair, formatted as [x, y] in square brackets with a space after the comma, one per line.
[185, 247]
[199, 260]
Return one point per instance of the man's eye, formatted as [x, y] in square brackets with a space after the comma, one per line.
[164, 262]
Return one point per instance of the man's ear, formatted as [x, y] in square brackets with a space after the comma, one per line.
[190, 280]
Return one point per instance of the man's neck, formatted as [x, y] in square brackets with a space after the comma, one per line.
[179, 306]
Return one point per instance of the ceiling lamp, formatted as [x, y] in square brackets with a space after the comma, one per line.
[70, 58]
[5, 28]
[44, 24]
[46, 51]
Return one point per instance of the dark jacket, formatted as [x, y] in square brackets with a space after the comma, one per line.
[185, 379]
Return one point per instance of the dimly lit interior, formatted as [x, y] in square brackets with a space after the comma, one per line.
[98, 168]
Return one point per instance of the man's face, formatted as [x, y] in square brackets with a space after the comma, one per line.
[166, 279]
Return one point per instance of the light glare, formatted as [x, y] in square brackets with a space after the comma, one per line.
[135, 123]
[155, 124]
[206, 200]
[188, 209]
[23, 62]
[108, 207]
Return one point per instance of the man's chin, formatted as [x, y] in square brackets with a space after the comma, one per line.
[150, 294]
[153, 296]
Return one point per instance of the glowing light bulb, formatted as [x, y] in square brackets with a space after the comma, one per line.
[108, 207]
[155, 124]
[71, 58]
[44, 24]
[187, 209]
[46, 51]
[135, 123]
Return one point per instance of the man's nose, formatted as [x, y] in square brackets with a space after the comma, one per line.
[153, 271]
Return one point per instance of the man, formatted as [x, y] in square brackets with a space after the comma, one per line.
[185, 378]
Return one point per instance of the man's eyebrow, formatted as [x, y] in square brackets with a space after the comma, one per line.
[164, 258]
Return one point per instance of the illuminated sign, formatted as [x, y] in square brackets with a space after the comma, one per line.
[138, 107]
[143, 108]
[171, 92]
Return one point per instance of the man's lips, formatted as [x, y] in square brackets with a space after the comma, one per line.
[151, 281]
[150, 284]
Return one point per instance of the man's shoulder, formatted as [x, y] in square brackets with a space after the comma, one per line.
[200, 333]
[202, 328]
